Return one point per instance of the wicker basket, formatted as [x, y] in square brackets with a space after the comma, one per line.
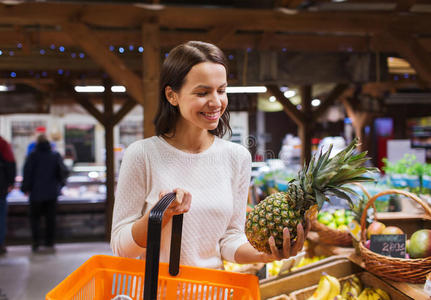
[336, 237]
[331, 236]
[396, 269]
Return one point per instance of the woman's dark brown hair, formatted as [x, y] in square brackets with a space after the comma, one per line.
[173, 73]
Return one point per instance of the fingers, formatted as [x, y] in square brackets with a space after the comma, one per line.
[182, 202]
[307, 227]
[162, 194]
[274, 250]
[300, 238]
[286, 243]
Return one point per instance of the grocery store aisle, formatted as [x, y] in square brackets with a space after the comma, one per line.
[28, 276]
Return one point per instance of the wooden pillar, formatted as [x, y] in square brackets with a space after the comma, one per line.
[306, 128]
[108, 119]
[359, 120]
[109, 154]
[151, 73]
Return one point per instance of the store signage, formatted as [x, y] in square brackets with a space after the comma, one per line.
[393, 245]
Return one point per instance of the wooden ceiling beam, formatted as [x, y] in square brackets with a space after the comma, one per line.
[38, 85]
[243, 40]
[123, 111]
[293, 4]
[296, 115]
[333, 96]
[131, 16]
[404, 5]
[90, 108]
[410, 49]
[218, 35]
[113, 65]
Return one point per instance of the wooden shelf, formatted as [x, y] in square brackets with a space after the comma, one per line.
[415, 291]
[401, 216]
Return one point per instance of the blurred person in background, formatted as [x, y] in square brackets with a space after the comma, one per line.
[44, 176]
[38, 131]
[7, 180]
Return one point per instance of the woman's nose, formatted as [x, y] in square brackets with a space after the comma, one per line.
[215, 100]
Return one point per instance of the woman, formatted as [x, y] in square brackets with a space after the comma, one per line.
[209, 175]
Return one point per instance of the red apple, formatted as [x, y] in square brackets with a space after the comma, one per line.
[392, 230]
[375, 228]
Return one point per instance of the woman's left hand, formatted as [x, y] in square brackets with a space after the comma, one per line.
[288, 249]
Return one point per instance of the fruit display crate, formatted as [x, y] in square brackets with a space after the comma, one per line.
[300, 282]
[366, 278]
[338, 266]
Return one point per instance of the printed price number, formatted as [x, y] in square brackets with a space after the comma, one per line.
[393, 245]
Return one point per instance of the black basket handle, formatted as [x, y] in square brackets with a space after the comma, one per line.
[153, 246]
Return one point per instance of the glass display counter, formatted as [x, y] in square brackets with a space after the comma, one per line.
[80, 210]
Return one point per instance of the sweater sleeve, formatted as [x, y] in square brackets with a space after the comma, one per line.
[235, 236]
[129, 202]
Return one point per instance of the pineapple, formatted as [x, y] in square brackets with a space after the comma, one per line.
[306, 194]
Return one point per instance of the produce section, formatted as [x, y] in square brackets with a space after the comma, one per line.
[335, 264]
[406, 233]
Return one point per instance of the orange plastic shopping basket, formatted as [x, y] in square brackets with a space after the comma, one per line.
[105, 277]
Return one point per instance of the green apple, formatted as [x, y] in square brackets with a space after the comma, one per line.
[341, 220]
[325, 218]
[332, 225]
[349, 219]
[339, 213]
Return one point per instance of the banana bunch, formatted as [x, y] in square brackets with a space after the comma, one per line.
[306, 261]
[328, 288]
[373, 294]
[351, 288]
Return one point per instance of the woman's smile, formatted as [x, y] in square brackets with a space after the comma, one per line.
[212, 116]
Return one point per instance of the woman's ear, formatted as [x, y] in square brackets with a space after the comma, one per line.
[171, 96]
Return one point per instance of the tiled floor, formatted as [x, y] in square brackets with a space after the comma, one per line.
[28, 276]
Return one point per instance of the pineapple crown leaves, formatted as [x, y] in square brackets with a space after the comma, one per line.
[358, 208]
[325, 175]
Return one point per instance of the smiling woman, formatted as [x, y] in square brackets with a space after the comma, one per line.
[192, 68]
[189, 157]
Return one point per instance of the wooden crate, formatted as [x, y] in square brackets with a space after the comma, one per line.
[368, 280]
[338, 266]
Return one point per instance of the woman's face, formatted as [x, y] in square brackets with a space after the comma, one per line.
[202, 99]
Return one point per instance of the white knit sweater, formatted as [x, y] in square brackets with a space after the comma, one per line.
[218, 180]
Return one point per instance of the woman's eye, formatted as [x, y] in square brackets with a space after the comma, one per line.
[222, 91]
[201, 94]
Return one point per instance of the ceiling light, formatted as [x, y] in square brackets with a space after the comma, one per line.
[289, 94]
[245, 89]
[118, 89]
[89, 88]
[272, 99]
[315, 102]
[3, 88]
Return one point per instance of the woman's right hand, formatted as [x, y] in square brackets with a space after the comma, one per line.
[180, 205]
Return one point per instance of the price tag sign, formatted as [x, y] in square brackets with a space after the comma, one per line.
[393, 245]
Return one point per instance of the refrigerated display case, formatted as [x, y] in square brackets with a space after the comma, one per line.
[80, 210]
